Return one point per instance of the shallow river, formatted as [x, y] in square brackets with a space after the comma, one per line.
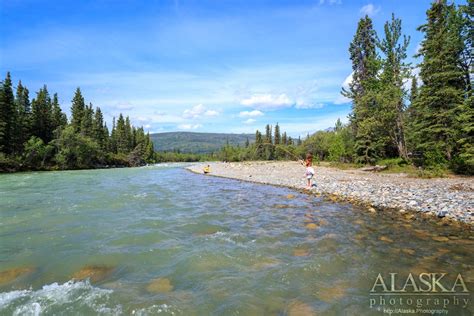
[161, 240]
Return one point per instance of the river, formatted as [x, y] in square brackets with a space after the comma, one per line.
[162, 240]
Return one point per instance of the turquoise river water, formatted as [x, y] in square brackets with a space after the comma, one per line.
[162, 240]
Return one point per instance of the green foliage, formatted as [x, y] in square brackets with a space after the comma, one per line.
[37, 154]
[77, 110]
[439, 103]
[7, 115]
[76, 151]
[43, 139]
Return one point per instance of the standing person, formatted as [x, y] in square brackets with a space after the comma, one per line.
[308, 163]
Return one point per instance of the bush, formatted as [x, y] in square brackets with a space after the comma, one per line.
[392, 162]
[8, 164]
[37, 154]
[76, 151]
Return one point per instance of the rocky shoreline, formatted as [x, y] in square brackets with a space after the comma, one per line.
[448, 199]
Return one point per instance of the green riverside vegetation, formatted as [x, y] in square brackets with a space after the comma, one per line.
[36, 135]
[431, 126]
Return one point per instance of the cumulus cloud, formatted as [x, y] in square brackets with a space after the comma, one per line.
[369, 9]
[189, 126]
[253, 113]
[249, 121]
[198, 111]
[268, 101]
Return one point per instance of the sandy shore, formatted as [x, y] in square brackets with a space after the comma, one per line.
[444, 198]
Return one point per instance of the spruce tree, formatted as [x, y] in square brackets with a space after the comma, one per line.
[128, 134]
[259, 150]
[7, 115]
[284, 139]
[394, 72]
[121, 134]
[23, 112]
[87, 121]
[440, 98]
[77, 110]
[363, 91]
[464, 162]
[59, 119]
[99, 132]
[277, 135]
[269, 150]
[42, 125]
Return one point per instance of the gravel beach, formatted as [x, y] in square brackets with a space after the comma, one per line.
[445, 198]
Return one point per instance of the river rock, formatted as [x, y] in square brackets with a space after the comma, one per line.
[94, 273]
[311, 226]
[298, 308]
[440, 238]
[10, 275]
[160, 285]
[386, 239]
[408, 251]
[334, 293]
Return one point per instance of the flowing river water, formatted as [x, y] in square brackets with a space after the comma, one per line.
[162, 240]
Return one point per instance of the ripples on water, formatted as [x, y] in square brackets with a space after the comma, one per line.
[162, 240]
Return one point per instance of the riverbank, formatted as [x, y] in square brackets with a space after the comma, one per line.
[448, 199]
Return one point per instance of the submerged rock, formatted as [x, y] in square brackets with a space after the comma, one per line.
[330, 294]
[440, 238]
[290, 196]
[323, 222]
[160, 285]
[301, 252]
[311, 226]
[266, 263]
[408, 251]
[298, 308]
[386, 239]
[94, 273]
[11, 275]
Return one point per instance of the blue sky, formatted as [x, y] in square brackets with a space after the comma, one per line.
[208, 66]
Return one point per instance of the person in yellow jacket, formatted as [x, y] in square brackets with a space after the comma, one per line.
[207, 169]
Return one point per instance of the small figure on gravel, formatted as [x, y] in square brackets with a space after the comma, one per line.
[308, 163]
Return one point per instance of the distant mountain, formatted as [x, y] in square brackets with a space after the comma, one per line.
[189, 142]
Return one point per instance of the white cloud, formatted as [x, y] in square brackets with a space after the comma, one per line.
[189, 126]
[268, 101]
[253, 113]
[249, 121]
[342, 99]
[304, 105]
[198, 111]
[157, 118]
[369, 9]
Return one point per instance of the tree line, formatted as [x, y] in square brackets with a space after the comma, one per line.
[36, 135]
[273, 145]
[430, 124]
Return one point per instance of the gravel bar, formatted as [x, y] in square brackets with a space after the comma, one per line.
[446, 198]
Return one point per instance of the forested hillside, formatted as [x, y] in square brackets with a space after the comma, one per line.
[197, 143]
